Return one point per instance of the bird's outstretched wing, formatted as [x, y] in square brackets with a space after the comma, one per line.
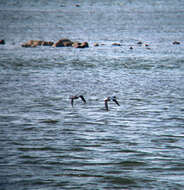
[116, 102]
[82, 98]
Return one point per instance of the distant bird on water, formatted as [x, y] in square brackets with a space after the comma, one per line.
[77, 97]
[113, 98]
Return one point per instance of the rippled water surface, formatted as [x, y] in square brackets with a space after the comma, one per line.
[45, 143]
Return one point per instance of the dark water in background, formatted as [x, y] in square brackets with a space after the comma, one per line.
[45, 143]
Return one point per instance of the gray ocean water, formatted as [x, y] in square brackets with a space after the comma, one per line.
[45, 144]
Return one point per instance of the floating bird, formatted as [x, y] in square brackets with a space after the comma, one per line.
[113, 98]
[76, 97]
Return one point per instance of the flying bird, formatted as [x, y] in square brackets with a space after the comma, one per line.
[113, 98]
[77, 97]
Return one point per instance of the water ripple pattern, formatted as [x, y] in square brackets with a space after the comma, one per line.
[46, 143]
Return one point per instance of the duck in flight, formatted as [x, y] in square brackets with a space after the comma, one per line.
[77, 97]
[113, 98]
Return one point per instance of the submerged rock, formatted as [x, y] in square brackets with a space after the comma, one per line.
[176, 43]
[2, 42]
[96, 44]
[139, 43]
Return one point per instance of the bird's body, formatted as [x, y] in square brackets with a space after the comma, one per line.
[76, 97]
[113, 98]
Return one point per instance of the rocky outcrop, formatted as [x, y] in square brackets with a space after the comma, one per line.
[68, 43]
[44, 43]
[35, 43]
[2, 42]
[80, 45]
[63, 43]
[116, 44]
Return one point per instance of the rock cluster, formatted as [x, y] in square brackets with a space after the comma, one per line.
[80, 45]
[68, 43]
[64, 42]
[35, 43]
